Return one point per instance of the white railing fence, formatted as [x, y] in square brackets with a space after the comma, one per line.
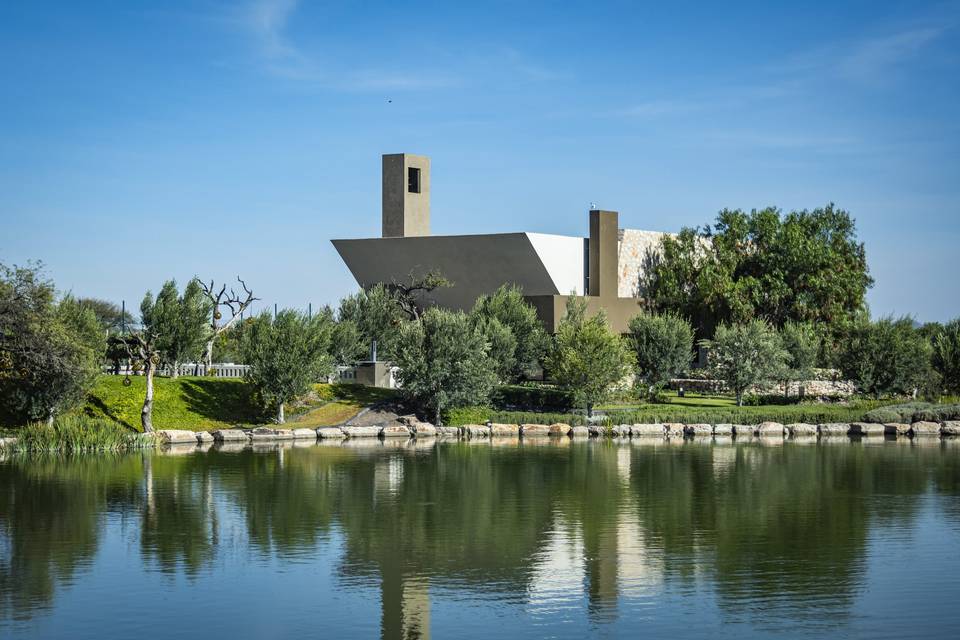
[217, 370]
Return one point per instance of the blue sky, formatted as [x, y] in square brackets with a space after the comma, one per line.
[141, 141]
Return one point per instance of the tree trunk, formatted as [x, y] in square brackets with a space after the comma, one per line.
[208, 351]
[436, 418]
[739, 398]
[589, 409]
[176, 369]
[280, 413]
[50, 418]
[146, 414]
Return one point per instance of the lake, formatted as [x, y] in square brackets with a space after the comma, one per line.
[554, 539]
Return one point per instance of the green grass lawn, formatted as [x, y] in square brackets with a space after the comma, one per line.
[203, 404]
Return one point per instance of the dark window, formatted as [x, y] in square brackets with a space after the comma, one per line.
[413, 180]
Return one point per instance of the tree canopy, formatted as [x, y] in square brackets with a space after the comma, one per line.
[587, 358]
[530, 341]
[286, 354]
[181, 323]
[444, 362]
[663, 347]
[806, 266]
[50, 350]
[743, 355]
[887, 356]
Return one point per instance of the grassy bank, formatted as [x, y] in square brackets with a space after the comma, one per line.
[205, 404]
[75, 434]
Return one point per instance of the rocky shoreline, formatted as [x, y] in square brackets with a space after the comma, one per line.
[410, 427]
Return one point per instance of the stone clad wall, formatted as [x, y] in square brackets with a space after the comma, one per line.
[635, 248]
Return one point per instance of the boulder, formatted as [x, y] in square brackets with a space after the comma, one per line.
[423, 429]
[230, 435]
[896, 428]
[408, 419]
[698, 430]
[283, 434]
[674, 429]
[476, 430]
[330, 433]
[867, 428]
[596, 431]
[950, 428]
[179, 436]
[505, 430]
[620, 431]
[448, 431]
[648, 430]
[925, 428]
[394, 431]
[305, 434]
[770, 429]
[559, 429]
[8, 443]
[528, 430]
[834, 429]
[204, 437]
[798, 429]
[352, 431]
[744, 430]
[579, 432]
[723, 429]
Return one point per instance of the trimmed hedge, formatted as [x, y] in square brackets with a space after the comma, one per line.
[911, 412]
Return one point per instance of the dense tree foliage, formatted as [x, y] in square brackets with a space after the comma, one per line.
[802, 343]
[743, 355]
[587, 358]
[888, 356]
[663, 347]
[507, 306]
[112, 318]
[375, 314]
[287, 354]
[181, 323]
[502, 346]
[946, 355]
[806, 266]
[444, 362]
[50, 350]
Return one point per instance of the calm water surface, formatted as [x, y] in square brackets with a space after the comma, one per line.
[562, 540]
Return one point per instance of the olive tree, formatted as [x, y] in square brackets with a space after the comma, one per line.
[50, 351]
[530, 341]
[375, 314]
[587, 358]
[743, 355]
[663, 347]
[888, 356]
[802, 343]
[286, 354]
[444, 362]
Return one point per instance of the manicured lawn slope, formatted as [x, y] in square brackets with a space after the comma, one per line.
[184, 403]
[202, 404]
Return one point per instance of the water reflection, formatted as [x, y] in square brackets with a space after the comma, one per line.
[778, 536]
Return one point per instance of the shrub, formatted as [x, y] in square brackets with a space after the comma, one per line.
[531, 398]
[887, 357]
[908, 412]
[746, 354]
[460, 416]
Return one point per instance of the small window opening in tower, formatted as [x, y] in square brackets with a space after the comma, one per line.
[413, 180]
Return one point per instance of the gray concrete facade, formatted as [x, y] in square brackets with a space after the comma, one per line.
[406, 195]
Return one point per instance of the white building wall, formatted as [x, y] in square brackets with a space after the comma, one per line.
[563, 258]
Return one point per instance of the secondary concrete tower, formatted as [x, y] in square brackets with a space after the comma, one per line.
[604, 234]
[406, 195]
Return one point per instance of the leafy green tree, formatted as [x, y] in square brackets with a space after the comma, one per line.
[743, 355]
[663, 346]
[377, 315]
[888, 356]
[802, 343]
[444, 362]
[347, 344]
[946, 355]
[806, 266]
[112, 318]
[587, 358]
[503, 346]
[50, 351]
[531, 342]
[286, 355]
[181, 323]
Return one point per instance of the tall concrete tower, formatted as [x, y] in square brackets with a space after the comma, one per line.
[406, 195]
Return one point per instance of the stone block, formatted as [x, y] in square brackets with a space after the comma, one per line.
[505, 430]
[559, 429]
[723, 429]
[834, 429]
[925, 428]
[698, 430]
[331, 433]
[798, 429]
[744, 430]
[950, 428]
[896, 428]
[178, 436]
[579, 432]
[528, 430]
[648, 430]
[674, 429]
[204, 437]
[352, 431]
[305, 434]
[230, 435]
[474, 431]
[394, 431]
[767, 429]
